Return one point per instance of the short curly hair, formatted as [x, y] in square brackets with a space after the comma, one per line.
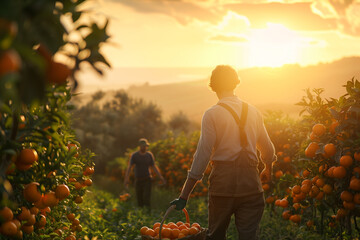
[223, 78]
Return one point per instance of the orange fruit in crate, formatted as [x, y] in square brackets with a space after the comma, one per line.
[166, 233]
[185, 231]
[150, 232]
[143, 230]
[175, 233]
[181, 227]
[193, 231]
[196, 225]
[181, 235]
[156, 225]
[179, 223]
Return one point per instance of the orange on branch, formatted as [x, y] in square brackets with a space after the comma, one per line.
[62, 191]
[31, 192]
[346, 161]
[9, 62]
[330, 150]
[28, 156]
[310, 151]
[339, 172]
[319, 129]
[6, 214]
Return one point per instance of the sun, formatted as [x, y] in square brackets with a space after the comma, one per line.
[273, 46]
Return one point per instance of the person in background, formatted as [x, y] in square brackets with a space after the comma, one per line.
[142, 160]
[231, 133]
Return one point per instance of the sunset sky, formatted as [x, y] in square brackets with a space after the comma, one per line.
[184, 33]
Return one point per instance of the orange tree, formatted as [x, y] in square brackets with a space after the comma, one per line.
[327, 196]
[43, 171]
[286, 137]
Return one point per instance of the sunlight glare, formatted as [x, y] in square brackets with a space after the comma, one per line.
[273, 46]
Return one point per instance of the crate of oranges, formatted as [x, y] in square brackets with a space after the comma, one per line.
[179, 230]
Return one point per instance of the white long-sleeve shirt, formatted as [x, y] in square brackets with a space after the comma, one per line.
[220, 137]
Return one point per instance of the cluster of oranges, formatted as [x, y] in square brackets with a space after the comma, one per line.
[171, 230]
[14, 225]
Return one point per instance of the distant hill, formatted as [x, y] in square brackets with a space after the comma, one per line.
[267, 88]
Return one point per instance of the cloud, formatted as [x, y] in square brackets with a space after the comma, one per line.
[297, 16]
[183, 11]
[229, 38]
[305, 15]
[346, 14]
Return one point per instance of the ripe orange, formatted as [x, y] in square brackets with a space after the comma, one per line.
[333, 126]
[88, 182]
[181, 227]
[71, 216]
[143, 230]
[62, 191]
[42, 221]
[327, 189]
[50, 199]
[287, 159]
[314, 179]
[284, 203]
[357, 198]
[349, 205]
[346, 196]
[34, 210]
[157, 224]
[196, 225]
[286, 214]
[31, 192]
[314, 191]
[330, 171]
[310, 151]
[6, 214]
[306, 173]
[185, 231]
[28, 156]
[296, 189]
[270, 199]
[319, 129]
[320, 182]
[277, 202]
[175, 233]
[355, 184]
[24, 215]
[78, 199]
[17, 223]
[150, 232]
[57, 73]
[76, 222]
[306, 182]
[9, 62]
[193, 231]
[266, 186]
[70, 237]
[295, 218]
[166, 232]
[320, 196]
[306, 188]
[31, 220]
[330, 149]
[9, 228]
[45, 210]
[179, 223]
[357, 156]
[339, 172]
[346, 161]
[78, 186]
[28, 229]
[279, 173]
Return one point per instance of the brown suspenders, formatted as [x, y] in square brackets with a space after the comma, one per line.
[240, 121]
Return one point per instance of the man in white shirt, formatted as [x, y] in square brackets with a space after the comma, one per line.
[231, 133]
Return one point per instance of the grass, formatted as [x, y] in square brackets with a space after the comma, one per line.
[106, 217]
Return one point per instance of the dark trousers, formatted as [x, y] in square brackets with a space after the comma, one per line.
[248, 211]
[143, 192]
